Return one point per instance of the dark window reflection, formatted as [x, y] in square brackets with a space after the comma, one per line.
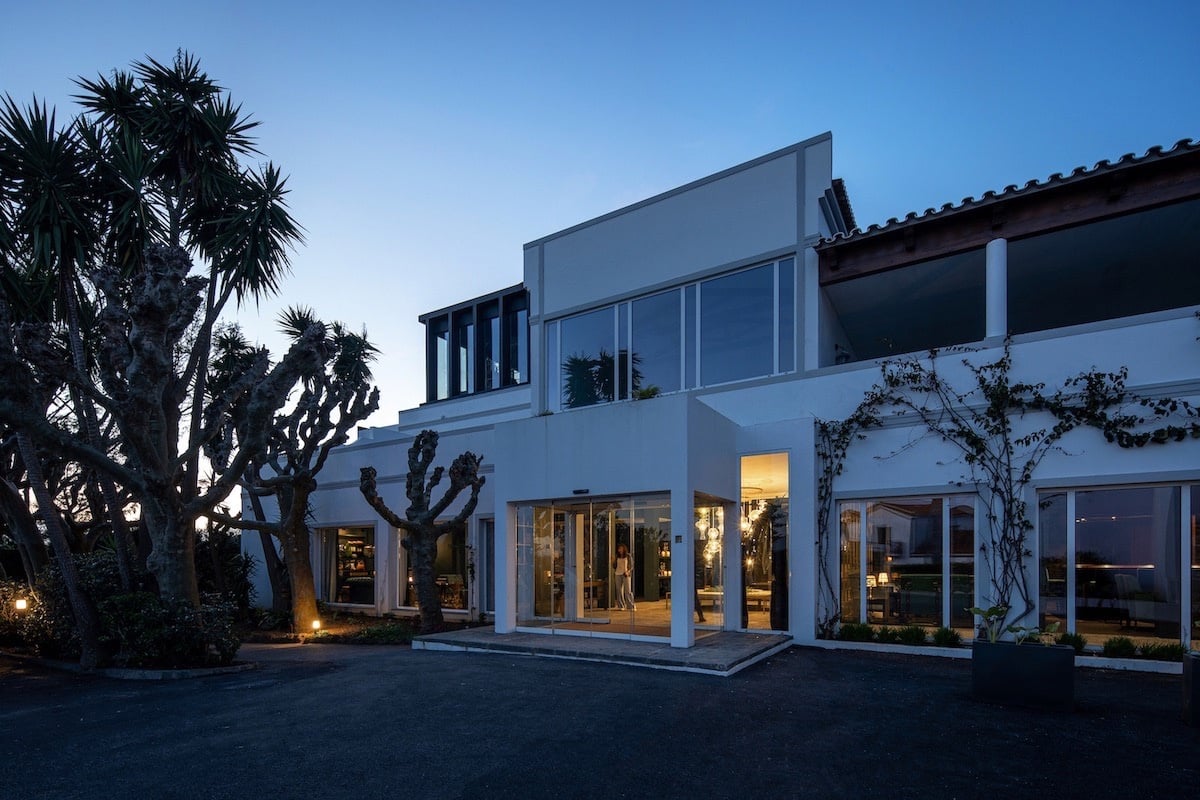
[588, 368]
[656, 343]
[737, 326]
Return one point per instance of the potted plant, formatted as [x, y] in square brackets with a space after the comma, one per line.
[1015, 672]
[1191, 688]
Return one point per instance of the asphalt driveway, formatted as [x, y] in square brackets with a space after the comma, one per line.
[327, 721]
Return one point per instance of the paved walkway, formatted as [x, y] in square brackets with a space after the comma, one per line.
[322, 721]
[721, 653]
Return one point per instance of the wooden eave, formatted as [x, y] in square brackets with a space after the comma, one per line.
[1109, 190]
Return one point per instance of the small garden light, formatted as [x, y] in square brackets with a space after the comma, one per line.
[22, 604]
[316, 625]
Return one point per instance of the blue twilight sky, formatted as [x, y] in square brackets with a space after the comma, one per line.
[426, 142]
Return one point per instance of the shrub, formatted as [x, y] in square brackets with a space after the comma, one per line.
[856, 632]
[50, 629]
[1120, 647]
[148, 633]
[886, 635]
[1074, 640]
[1163, 651]
[13, 622]
[912, 634]
[947, 637]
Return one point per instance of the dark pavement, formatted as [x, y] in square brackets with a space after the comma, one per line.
[328, 721]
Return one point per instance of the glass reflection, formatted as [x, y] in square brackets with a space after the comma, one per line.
[904, 556]
[588, 368]
[850, 520]
[656, 344]
[737, 326]
[1127, 562]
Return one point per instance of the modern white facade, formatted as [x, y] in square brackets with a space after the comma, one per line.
[655, 380]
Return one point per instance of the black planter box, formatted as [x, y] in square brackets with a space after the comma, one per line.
[1191, 689]
[1031, 675]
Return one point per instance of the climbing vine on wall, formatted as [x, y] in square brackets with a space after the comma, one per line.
[994, 425]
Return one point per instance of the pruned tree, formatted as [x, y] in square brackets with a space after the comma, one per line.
[423, 522]
[331, 402]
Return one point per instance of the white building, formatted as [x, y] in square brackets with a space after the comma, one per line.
[655, 379]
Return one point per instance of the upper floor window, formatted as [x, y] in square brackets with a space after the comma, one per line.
[478, 346]
[729, 328]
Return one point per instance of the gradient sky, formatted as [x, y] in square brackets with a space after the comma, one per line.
[426, 142]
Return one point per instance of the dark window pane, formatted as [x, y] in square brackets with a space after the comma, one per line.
[689, 337]
[623, 365]
[656, 345]
[904, 557]
[787, 315]
[464, 353]
[1052, 577]
[439, 359]
[737, 326]
[516, 340]
[588, 371]
[1127, 561]
[489, 346]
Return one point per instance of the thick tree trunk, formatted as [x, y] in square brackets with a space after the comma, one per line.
[280, 591]
[87, 620]
[298, 553]
[172, 558]
[422, 548]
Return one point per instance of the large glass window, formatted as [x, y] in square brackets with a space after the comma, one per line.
[737, 326]
[734, 327]
[1112, 567]
[908, 561]
[449, 569]
[657, 354]
[349, 558]
[597, 567]
[587, 345]
[479, 346]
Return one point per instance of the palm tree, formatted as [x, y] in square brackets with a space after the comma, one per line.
[147, 179]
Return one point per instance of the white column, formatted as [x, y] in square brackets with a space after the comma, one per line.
[809, 356]
[997, 288]
[505, 555]
[683, 568]
[802, 533]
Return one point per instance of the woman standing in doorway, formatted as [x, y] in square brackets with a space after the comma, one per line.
[623, 570]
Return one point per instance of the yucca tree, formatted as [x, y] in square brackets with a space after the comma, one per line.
[331, 402]
[148, 227]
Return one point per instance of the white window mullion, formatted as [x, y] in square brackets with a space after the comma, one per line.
[946, 576]
[775, 316]
[1070, 599]
[1185, 565]
[862, 562]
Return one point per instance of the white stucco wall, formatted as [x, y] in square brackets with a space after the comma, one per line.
[761, 207]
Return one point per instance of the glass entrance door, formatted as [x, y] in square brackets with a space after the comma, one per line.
[600, 567]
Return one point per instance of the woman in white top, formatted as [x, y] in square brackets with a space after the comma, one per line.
[623, 572]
